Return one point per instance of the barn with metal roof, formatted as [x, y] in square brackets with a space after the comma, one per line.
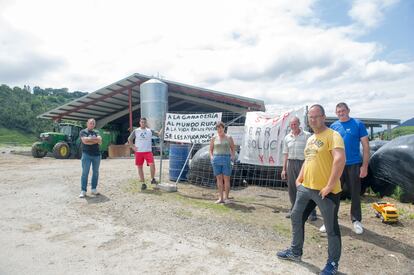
[119, 102]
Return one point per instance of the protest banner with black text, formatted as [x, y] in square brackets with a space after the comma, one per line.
[263, 137]
[191, 128]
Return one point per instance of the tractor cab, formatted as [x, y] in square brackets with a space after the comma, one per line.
[71, 131]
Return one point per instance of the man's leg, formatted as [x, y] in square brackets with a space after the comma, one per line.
[329, 207]
[152, 170]
[86, 165]
[139, 162]
[291, 181]
[355, 189]
[96, 161]
[140, 173]
[149, 158]
[302, 208]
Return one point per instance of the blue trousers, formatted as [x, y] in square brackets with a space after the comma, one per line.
[87, 160]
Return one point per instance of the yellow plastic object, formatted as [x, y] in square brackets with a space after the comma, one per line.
[386, 211]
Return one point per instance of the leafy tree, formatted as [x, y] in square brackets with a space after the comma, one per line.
[20, 107]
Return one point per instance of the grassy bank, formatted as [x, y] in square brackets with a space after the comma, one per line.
[16, 138]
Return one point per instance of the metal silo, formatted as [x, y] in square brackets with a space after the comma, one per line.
[154, 102]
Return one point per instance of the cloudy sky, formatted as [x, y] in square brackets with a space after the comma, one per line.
[287, 53]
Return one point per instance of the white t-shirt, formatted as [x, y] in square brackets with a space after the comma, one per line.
[143, 139]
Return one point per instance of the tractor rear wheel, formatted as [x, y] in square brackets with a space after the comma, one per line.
[37, 151]
[61, 150]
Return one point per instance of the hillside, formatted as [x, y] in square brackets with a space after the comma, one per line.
[19, 108]
[409, 122]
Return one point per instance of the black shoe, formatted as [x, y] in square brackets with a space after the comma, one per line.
[143, 186]
[288, 255]
[154, 181]
[331, 268]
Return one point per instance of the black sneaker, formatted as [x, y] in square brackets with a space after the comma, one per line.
[288, 255]
[331, 268]
[143, 186]
[154, 181]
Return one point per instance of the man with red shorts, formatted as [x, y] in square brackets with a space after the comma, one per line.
[143, 150]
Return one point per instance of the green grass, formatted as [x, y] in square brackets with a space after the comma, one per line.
[134, 186]
[282, 228]
[17, 138]
[398, 192]
[400, 131]
[202, 204]
[184, 213]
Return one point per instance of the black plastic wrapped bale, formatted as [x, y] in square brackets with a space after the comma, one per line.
[374, 145]
[201, 170]
[393, 165]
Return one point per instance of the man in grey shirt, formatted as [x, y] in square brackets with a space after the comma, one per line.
[293, 150]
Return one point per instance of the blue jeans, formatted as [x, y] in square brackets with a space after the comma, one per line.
[87, 160]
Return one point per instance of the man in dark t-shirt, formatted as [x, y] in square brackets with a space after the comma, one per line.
[90, 140]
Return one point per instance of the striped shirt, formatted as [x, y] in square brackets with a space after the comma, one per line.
[294, 146]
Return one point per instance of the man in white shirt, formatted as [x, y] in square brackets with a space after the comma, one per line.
[143, 150]
[293, 150]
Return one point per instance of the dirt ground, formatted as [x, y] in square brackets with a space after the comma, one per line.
[46, 229]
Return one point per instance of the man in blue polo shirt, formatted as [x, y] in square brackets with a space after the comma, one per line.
[353, 132]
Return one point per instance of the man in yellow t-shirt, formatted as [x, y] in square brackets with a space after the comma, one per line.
[318, 184]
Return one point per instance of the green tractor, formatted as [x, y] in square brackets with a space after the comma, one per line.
[65, 142]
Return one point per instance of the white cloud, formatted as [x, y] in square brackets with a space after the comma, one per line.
[369, 13]
[272, 51]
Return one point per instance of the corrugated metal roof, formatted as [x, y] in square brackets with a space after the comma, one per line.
[113, 99]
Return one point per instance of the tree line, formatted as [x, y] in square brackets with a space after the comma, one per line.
[19, 107]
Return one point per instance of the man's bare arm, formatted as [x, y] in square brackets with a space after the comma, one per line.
[365, 157]
[131, 141]
[285, 159]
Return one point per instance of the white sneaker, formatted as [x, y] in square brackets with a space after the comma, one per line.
[358, 229]
[94, 192]
[322, 229]
[82, 194]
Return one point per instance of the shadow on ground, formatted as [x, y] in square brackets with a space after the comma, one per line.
[97, 199]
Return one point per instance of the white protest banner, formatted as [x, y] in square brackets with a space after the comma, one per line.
[264, 134]
[191, 128]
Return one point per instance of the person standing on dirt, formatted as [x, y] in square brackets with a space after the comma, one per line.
[354, 133]
[143, 150]
[293, 150]
[221, 155]
[318, 184]
[90, 141]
